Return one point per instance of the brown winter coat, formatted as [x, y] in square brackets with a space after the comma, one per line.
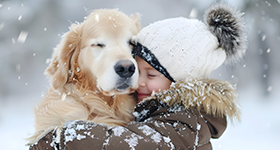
[186, 116]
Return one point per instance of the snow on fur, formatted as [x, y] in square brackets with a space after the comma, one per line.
[217, 97]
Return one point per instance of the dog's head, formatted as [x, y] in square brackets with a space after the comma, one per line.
[97, 53]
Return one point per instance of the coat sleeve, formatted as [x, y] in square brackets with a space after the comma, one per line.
[155, 127]
[46, 142]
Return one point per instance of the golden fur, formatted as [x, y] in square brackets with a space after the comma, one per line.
[84, 84]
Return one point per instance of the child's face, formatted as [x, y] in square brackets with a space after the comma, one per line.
[149, 80]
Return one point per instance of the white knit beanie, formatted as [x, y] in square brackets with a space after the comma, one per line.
[188, 48]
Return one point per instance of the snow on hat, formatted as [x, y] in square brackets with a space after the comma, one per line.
[184, 49]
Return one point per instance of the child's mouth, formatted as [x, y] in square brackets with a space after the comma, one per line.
[141, 96]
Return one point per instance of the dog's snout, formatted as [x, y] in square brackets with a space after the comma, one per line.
[124, 68]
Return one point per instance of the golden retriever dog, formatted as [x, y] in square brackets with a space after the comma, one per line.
[91, 73]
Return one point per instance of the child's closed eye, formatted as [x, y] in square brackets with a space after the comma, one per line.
[152, 75]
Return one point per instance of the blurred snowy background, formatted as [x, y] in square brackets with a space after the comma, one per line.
[29, 30]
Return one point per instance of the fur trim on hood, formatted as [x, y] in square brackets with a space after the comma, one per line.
[217, 97]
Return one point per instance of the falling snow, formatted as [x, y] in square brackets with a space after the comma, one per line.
[22, 36]
[1, 26]
[23, 90]
[20, 17]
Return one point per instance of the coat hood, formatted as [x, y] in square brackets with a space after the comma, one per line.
[216, 97]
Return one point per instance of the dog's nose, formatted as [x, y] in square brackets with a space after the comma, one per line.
[124, 68]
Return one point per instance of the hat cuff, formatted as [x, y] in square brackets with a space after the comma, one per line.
[145, 54]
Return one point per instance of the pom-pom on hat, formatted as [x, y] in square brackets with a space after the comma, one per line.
[184, 49]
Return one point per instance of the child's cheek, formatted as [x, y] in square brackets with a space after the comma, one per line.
[154, 86]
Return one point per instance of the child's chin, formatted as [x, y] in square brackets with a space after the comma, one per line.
[141, 97]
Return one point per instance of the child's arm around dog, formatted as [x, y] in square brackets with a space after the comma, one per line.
[160, 122]
[157, 126]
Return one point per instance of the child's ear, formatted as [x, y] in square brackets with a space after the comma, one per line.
[58, 69]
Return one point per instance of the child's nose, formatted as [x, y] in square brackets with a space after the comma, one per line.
[141, 82]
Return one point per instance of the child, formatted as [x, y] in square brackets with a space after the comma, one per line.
[179, 106]
[150, 80]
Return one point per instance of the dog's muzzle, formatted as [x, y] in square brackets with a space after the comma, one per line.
[123, 84]
[124, 68]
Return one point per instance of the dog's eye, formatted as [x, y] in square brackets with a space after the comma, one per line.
[98, 45]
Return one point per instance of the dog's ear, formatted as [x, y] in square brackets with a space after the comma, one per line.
[136, 18]
[59, 67]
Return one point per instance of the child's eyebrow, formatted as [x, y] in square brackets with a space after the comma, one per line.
[150, 68]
